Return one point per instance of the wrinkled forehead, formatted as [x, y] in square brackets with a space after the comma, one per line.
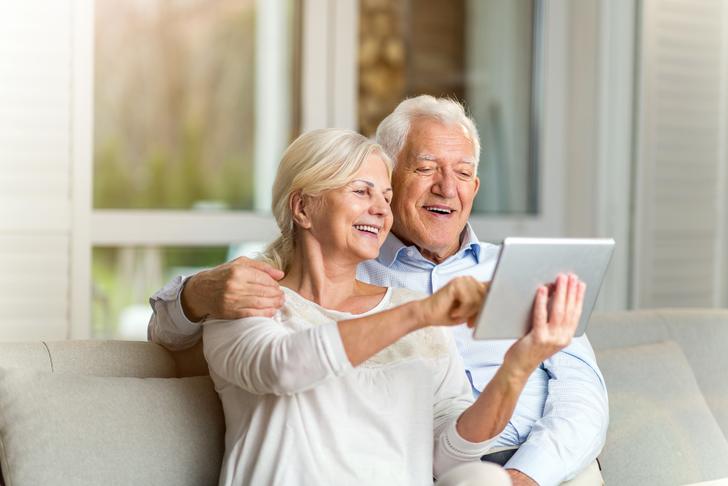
[425, 156]
[434, 140]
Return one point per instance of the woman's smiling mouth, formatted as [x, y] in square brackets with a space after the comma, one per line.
[367, 229]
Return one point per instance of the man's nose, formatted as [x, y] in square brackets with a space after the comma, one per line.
[445, 185]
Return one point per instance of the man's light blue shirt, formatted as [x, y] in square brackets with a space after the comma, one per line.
[561, 419]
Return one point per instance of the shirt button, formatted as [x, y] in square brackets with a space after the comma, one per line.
[410, 252]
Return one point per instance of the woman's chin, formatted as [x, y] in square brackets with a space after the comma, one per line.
[364, 254]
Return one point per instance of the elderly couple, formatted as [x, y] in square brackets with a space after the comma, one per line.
[344, 356]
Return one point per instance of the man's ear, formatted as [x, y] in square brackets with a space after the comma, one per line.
[477, 186]
[299, 208]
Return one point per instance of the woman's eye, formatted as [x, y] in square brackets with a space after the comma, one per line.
[361, 192]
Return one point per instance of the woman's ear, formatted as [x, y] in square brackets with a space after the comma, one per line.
[299, 208]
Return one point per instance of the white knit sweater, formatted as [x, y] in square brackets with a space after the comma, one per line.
[297, 412]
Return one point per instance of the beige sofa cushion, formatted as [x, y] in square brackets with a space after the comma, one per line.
[702, 335]
[58, 428]
[661, 430]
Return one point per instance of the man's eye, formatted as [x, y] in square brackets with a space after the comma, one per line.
[466, 175]
[425, 170]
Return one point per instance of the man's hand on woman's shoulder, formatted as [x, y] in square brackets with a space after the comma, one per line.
[236, 289]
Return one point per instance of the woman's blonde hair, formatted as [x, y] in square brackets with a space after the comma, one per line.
[316, 162]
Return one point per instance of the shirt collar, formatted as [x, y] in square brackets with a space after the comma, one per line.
[390, 249]
[392, 246]
[470, 241]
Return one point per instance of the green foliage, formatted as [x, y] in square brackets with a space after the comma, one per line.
[174, 105]
[174, 113]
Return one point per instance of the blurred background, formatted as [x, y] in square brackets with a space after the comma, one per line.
[139, 139]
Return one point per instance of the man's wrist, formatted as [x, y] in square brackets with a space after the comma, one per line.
[190, 309]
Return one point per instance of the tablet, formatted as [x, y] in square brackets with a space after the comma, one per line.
[524, 264]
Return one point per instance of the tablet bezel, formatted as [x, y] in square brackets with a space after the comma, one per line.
[526, 263]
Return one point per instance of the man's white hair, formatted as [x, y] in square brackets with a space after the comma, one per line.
[393, 130]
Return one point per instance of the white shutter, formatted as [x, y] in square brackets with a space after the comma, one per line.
[681, 154]
[36, 169]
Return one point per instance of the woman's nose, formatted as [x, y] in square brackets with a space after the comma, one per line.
[379, 207]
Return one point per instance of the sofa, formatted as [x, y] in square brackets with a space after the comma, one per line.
[119, 413]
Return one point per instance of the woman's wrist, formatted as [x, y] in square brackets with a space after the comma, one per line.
[518, 366]
[416, 315]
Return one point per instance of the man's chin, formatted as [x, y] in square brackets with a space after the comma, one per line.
[431, 236]
[441, 242]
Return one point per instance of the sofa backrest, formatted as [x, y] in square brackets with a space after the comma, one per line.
[96, 358]
[116, 412]
[668, 394]
[701, 334]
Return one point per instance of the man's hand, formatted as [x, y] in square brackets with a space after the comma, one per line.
[240, 288]
[520, 479]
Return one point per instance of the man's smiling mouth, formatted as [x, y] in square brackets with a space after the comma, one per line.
[439, 209]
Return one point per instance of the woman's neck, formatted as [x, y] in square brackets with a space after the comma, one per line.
[328, 281]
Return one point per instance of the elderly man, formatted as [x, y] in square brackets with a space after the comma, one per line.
[560, 422]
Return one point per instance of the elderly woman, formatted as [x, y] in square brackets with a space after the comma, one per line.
[351, 383]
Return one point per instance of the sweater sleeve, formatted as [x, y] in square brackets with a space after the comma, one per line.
[453, 396]
[262, 356]
[168, 325]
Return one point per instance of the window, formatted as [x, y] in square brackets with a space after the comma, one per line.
[194, 102]
[483, 53]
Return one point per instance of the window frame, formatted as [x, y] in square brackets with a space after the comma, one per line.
[328, 97]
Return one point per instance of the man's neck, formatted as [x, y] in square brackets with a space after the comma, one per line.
[435, 255]
[438, 256]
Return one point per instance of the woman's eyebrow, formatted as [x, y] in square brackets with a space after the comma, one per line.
[368, 183]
